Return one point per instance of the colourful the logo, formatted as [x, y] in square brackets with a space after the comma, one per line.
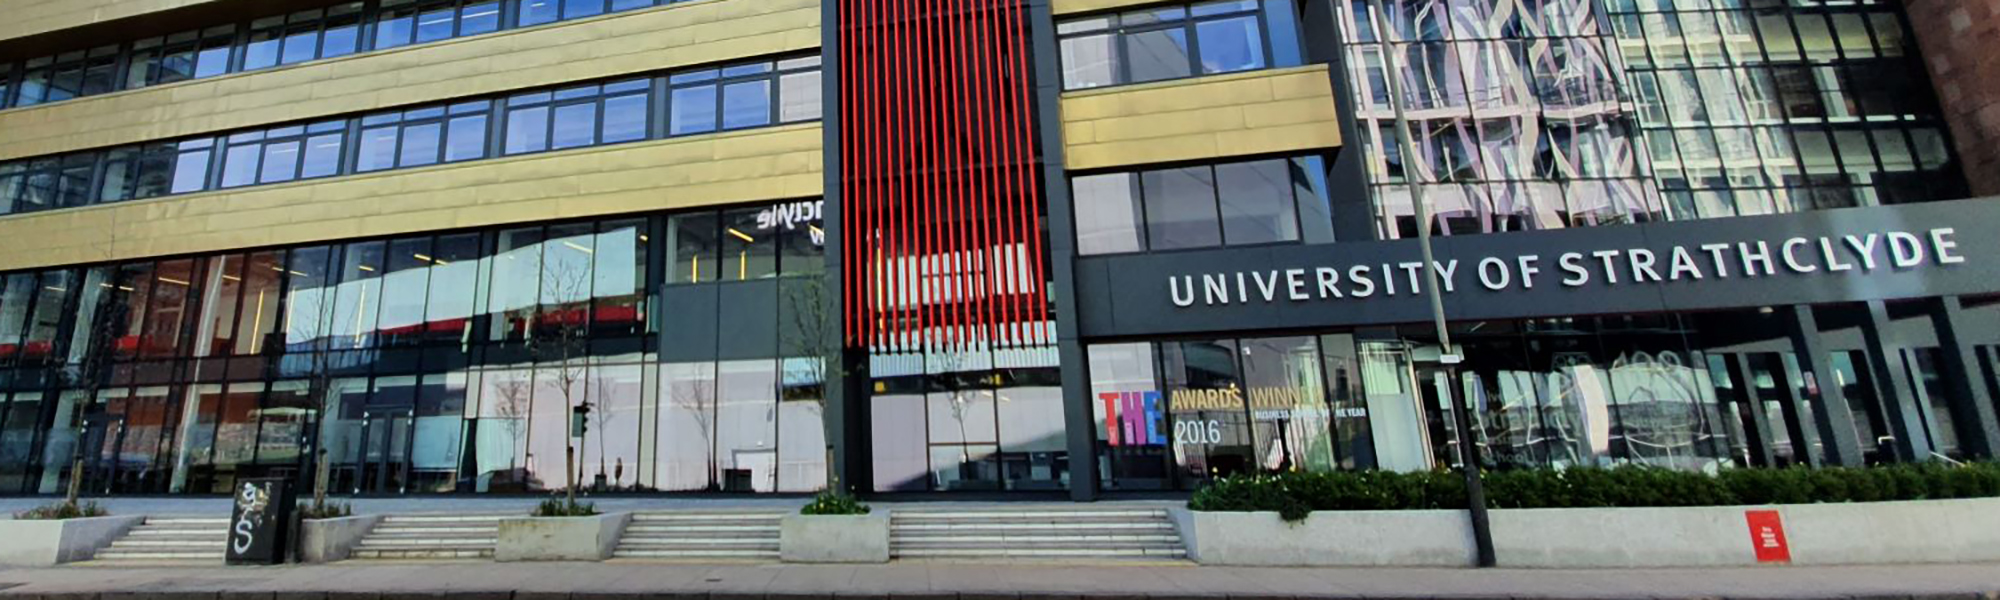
[1133, 418]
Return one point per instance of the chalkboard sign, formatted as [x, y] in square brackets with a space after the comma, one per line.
[260, 523]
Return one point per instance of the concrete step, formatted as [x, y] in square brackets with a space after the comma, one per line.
[719, 531]
[422, 553]
[929, 514]
[163, 554]
[697, 554]
[1134, 527]
[696, 543]
[1037, 539]
[132, 543]
[467, 533]
[706, 517]
[155, 532]
[491, 519]
[1153, 553]
[372, 541]
[197, 521]
[712, 527]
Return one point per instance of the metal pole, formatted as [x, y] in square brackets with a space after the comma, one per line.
[1468, 453]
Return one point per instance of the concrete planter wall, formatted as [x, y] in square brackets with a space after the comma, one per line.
[560, 538]
[329, 540]
[1433, 538]
[834, 538]
[1817, 534]
[36, 543]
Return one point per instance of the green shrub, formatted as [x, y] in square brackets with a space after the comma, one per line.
[559, 507]
[834, 503]
[330, 510]
[62, 510]
[1295, 495]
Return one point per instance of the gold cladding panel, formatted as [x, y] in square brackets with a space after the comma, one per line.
[1070, 7]
[31, 17]
[1244, 114]
[668, 37]
[747, 166]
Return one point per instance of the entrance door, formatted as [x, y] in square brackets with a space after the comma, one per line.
[1434, 386]
[103, 435]
[384, 467]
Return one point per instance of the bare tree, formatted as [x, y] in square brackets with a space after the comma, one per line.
[561, 336]
[512, 409]
[694, 398]
[811, 332]
[89, 370]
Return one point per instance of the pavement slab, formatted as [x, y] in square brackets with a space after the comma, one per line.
[915, 580]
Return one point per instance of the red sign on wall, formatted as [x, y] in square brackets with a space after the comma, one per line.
[1767, 536]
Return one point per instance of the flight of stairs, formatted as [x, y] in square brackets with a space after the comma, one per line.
[430, 537]
[171, 539]
[701, 536]
[1035, 533]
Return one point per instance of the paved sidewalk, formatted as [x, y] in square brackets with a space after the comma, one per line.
[969, 581]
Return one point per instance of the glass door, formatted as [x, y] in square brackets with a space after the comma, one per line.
[385, 451]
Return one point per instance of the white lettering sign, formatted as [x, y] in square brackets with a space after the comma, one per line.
[1796, 256]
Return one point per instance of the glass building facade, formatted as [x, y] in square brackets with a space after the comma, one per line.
[942, 305]
[1540, 114]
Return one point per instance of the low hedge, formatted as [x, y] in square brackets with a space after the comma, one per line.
[1293, 495]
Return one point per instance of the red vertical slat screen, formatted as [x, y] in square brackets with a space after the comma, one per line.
[940, 203]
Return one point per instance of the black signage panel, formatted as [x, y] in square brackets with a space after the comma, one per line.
[260, 523]
[1932, 249]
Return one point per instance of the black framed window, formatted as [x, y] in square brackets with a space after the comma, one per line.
[742, 95]
[746, 243]
[1177, 41]
[267, 40]
[137, 172]
[409, 138]
[283, 154]
[755, 94]
[34, 86]
[13, 175]
[283, 39]
[1270, 201]
[38, 186]
[578, 116]
[191, 165]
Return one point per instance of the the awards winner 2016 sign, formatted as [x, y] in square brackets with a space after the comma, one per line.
[1828, 256]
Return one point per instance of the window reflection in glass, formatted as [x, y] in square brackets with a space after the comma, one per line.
[693, 248]
[1257, 202]
[748, 252]
[1107, 213]
[1181, 209]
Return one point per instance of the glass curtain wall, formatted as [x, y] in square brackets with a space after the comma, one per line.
[1538, 114]
[449, 362]
[1567, 392]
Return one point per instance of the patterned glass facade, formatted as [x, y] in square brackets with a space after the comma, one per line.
[1538, 114]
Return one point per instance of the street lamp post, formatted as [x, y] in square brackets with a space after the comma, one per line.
[1468, 454]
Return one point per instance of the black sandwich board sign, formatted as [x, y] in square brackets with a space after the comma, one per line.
[260, 523]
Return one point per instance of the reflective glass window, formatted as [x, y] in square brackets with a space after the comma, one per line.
[1257, 202]
[1181, 209]
[266, 41]
[478, 18]
[1108, 213]
[536, 12]
[692, 247]
[747, 252]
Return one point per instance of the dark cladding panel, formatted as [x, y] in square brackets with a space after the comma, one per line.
[748, 323]
[687, 330]
[1878, 253]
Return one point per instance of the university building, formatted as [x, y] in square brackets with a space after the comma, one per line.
[1019, 248]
